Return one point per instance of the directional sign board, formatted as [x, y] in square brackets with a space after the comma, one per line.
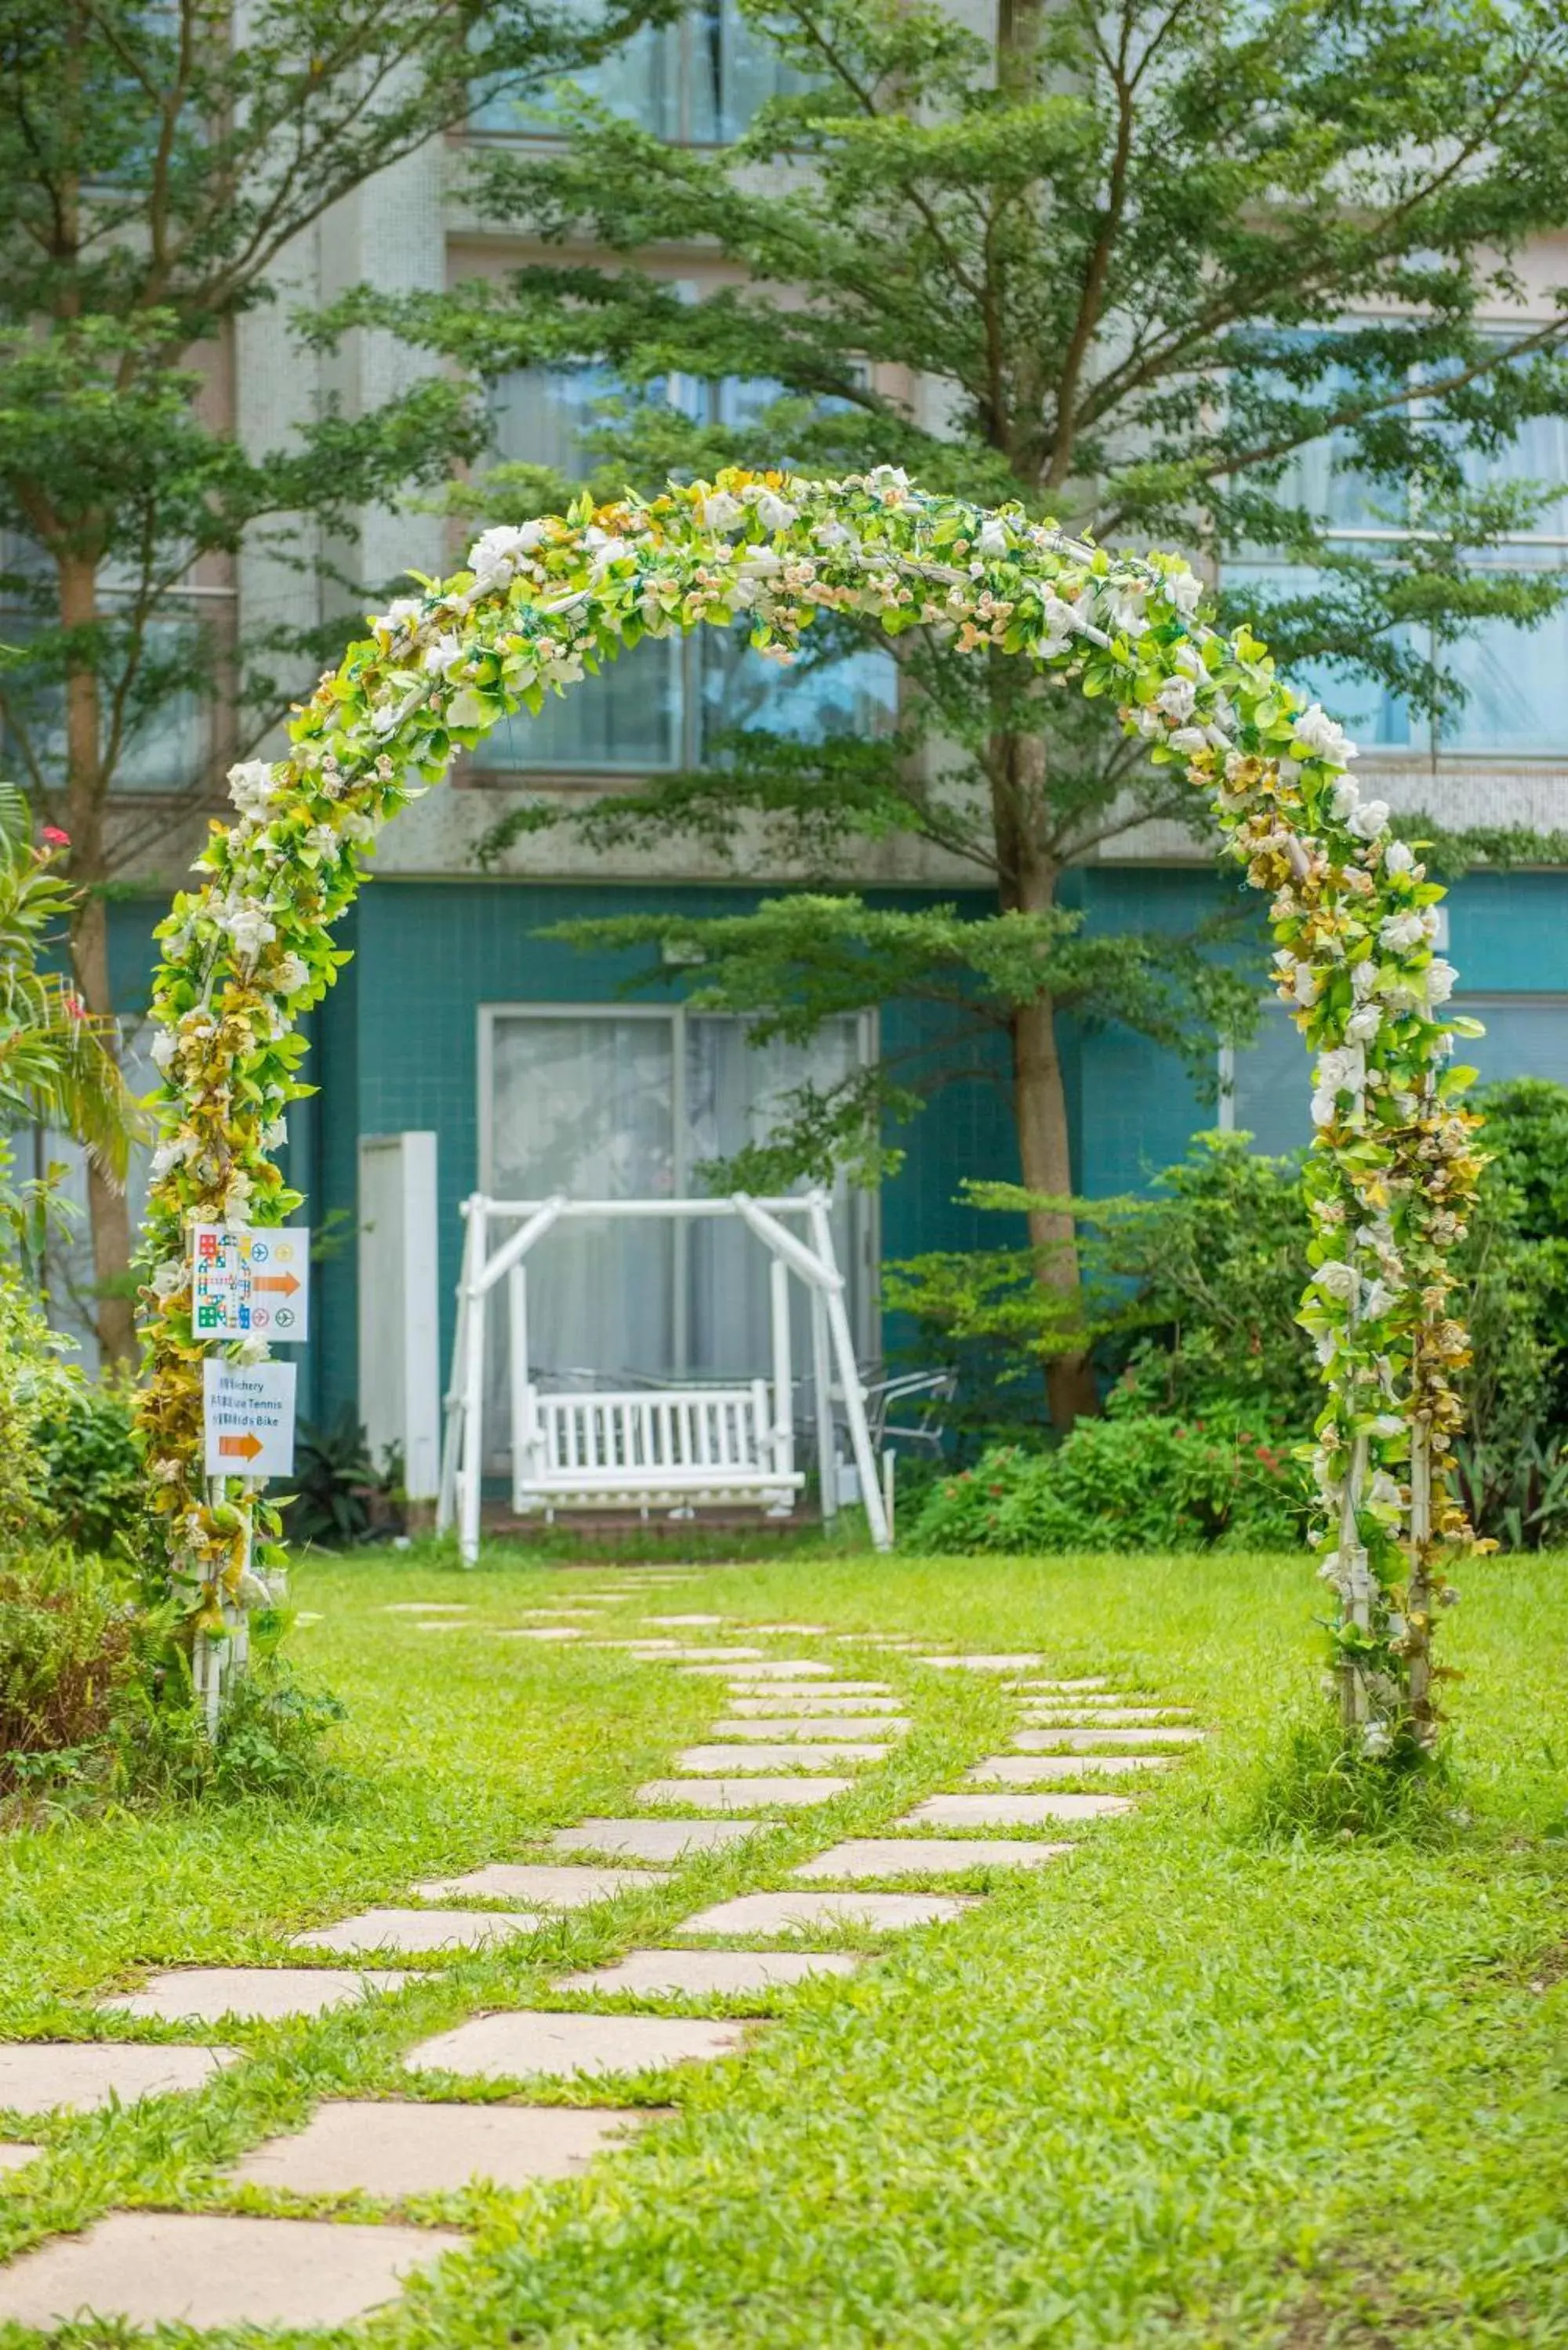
[249, 1416]
[245, 1284]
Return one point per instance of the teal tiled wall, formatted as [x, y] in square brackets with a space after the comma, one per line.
[396, 1046]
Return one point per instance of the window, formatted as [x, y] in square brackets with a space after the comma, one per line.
[1266, 1086]
[697, 82]
[164, 746]
[661, 705]
[618, 1104]
[1515, 679]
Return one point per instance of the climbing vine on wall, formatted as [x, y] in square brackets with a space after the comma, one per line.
[1393, 1165]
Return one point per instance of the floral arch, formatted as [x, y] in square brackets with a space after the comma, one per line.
[1393, 1162]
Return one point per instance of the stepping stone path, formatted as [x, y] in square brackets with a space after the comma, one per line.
[174, 2268]
[652, 1839]
[256, 1994]
[708, 1975]
[556, 1889]
[1038, 1740]
[779, 1758]
[734, 1795]
[926, 1856]
[395, 2150]
[785, 1724]
[520, 2045]
[1011, 1811]
[798, 1913]
[418, 1931]
[826, 1725]
[781, 1704]
[1035, 1770]
[37, 2075]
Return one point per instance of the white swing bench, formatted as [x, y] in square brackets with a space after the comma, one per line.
[675, 1448]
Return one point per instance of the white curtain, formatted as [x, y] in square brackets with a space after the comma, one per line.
[735, 1093]
[585, 1106]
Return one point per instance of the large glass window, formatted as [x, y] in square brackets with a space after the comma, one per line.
[661, 705]
[1266, 1086]
[1515, 679]
[698, 81]
[613, 1103]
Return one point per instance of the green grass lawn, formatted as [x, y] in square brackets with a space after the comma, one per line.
[1179, 2089]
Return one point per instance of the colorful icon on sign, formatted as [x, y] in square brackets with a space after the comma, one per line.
[231, 1295]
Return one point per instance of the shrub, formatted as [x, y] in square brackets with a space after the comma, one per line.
[69, 1655]
[92, 1467]
[1124, 1484]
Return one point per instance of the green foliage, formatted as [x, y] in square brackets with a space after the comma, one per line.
[92, 1468]
[57, 1062]
[1125, 1484]
[334, 1480]
[1188, 1294]
[1318, 1786]
[272, 1738]
[1513, 1463]
[68, 1659]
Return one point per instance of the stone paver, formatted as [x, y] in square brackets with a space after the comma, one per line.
[1035, 1770]
[553, 1888]
[35, 2075]
[426, 1608]
[416, 1931]
[198, 2269]
[725, 1656]
[783, 1668]
[925, 1856]
[821, 1725]
[12, 2157]
[515, 2045]
[651, 1840]
[705, 1975]
[779, 1758]
[829, 1692]
[540, 1632]
[785, 1631]
[735, 1794]
[779, 1705]
[982, 1664]
[393, 2149]
[1010, 1810]
[683, 1623]
[1035, 1740]
[436, 1624]
[1080, 1717]
[802, 1913]
[259, 1994]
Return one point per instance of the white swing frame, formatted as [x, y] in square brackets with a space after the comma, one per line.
[696, 1444]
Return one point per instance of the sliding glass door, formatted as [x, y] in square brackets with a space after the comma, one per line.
[619, 1104]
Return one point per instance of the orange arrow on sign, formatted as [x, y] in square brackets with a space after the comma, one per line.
[285, 1282]
[246, 1447]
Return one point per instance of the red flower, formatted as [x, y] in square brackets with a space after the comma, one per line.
[56, 837]
[75, 1007]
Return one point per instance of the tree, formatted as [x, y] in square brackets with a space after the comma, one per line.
[159, 164]
[1123, 266]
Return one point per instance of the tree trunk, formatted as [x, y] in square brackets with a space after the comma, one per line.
[1029, 878]
[109, 1210]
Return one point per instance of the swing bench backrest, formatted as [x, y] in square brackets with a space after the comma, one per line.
[647, 1447]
